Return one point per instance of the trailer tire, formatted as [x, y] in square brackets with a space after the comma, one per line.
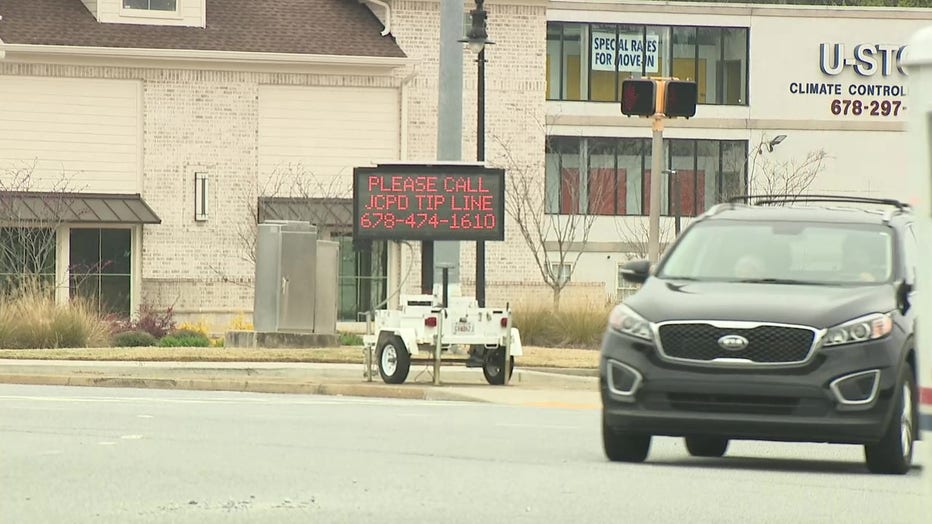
[394, 360]
[492, 366]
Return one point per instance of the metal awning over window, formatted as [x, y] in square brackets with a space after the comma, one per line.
[45, 208]
[331, 213]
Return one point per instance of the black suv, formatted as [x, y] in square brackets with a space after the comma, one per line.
[770, 318]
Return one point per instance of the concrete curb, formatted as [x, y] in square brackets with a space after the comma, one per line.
[410, 392]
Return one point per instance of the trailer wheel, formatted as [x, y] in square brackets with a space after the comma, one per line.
[394, 360]
[493, 368]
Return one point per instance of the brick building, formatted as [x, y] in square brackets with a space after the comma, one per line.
[181, 123]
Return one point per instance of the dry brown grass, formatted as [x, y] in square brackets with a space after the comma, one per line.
[533, 356]
[30, 318]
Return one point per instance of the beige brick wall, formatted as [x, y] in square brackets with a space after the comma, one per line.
[514, 115]
[199, 121]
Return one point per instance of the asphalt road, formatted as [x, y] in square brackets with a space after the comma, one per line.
[121, 455]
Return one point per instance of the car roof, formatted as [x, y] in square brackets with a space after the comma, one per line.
[808, 213]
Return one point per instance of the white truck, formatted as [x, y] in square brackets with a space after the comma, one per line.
[919, 66]
[422, 329]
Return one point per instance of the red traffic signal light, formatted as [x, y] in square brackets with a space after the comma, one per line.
[638, 97]
[680, 99]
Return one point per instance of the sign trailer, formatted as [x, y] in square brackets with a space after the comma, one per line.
[434, 202]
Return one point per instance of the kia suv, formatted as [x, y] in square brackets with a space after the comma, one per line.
[781, 318]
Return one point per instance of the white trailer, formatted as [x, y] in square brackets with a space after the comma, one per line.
[422, 329]
[919, 67]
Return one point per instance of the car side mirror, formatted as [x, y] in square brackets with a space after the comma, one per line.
[903, 290]
[636, 271]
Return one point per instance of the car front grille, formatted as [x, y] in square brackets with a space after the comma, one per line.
[743, 404]
[766, 344]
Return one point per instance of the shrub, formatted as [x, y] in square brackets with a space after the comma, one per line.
[217, 342]
[134, 339]
[184, 341]
[30, 318]
[577, 326]
[154, 321]
[350, 339]
[200, 327]
[239, 323]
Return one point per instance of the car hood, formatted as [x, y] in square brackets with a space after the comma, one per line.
[662, 300]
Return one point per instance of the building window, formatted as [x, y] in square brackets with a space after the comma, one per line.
[26, 253]
[561, 272]
[617, 175]
[99, 268]
[151, 5]
[589, 61]
[363, 278]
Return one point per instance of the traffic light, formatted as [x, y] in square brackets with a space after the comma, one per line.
[679, 99]
[638, 97]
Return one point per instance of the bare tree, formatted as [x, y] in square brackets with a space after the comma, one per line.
[793, 177]
[31, 209]
[321, 200]
[555, 235]
[633, 233]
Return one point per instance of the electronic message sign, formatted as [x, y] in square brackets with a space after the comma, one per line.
[428, 202]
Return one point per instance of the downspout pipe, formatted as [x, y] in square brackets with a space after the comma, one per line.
[387, 24]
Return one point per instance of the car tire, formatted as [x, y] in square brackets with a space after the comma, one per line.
[492, 367]
[893, 455]
[706, 446]
[624, 447]
[393, 360]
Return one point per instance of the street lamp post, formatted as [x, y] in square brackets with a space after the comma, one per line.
[477, 38]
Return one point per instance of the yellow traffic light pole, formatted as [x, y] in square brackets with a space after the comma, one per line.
[656, 161]
[631, 107]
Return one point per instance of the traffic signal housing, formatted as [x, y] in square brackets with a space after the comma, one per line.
[638, 97]
[679, 99]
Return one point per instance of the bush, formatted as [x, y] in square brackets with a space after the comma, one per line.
[154, 321]
[184, 341]
[134, 339]
[200, 327]
[350, 339]
[30, 319]
[579, 326]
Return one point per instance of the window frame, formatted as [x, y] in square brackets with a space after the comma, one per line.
[151, 13]
[587, 27]
[561, 146]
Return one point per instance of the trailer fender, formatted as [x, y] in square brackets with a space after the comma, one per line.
[407, 336]
[515, 349]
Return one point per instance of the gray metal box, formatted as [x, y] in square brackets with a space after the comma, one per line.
[286, 275]
[328, 276]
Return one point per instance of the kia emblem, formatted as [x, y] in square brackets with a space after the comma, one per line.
[733, 342]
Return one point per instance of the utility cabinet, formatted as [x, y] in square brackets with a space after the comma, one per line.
[296, 279]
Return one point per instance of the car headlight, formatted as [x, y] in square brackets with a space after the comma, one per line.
[624, 319]
[858, 330]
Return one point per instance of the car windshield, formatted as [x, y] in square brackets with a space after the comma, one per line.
[782, 252]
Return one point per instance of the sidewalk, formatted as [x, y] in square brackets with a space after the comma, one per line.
[528, 387]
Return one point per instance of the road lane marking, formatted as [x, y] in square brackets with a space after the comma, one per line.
[106, 443]
[131, 437]
[534, 426]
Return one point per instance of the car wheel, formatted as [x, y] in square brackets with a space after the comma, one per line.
[894, 453]
[492, 366]
[394, 361]
[706, 446]
[624, 447]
